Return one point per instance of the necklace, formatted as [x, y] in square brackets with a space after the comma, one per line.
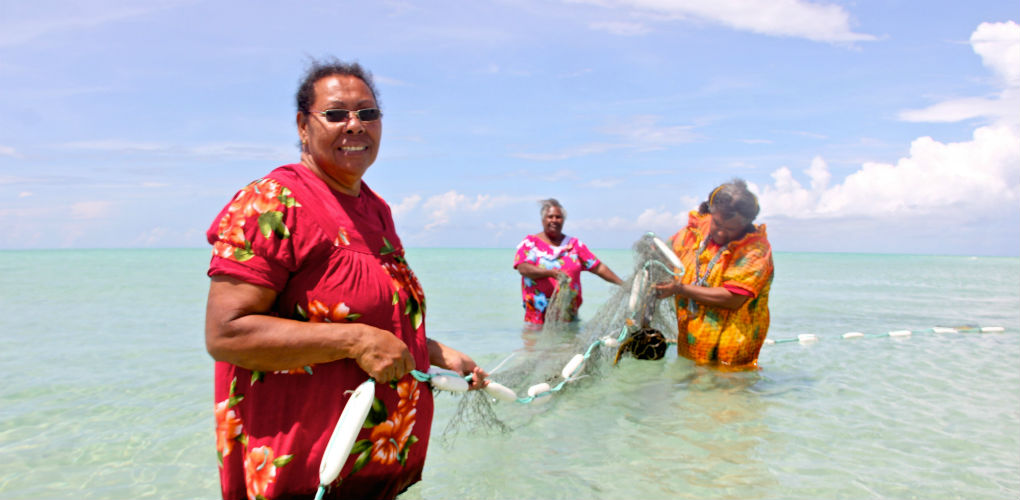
[699, 279]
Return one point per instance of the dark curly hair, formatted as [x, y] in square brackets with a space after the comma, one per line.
[731, 198]
[319, 69]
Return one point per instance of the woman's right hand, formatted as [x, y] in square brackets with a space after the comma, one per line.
[536, 272]
[382, 355]
[240, 330]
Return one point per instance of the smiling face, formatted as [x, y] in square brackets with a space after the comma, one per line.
[725, 230]
[339, 153]
[552, 223]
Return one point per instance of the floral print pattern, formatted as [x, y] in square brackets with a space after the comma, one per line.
[262, 198]
[228, 425]
[260, 471]
[404, 279]
[320, 312]
[391, 437]
[571, 257]
[342, 238]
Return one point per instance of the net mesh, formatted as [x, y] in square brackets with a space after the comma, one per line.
[630, 308]
[559, 311]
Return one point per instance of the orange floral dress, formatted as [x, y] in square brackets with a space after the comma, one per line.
[716, 335]
[331, 258]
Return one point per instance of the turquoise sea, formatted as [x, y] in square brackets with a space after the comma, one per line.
[107, 386]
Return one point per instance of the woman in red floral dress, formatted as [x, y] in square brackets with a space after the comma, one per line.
[310, 296]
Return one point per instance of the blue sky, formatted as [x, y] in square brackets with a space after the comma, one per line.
[869, 126]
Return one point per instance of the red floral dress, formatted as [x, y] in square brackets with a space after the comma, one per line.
[331, 258]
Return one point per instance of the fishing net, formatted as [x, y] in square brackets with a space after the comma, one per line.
[551, 366]
[559, 311]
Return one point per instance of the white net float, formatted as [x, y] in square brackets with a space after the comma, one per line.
[636, 289]
[447, 380]
[538, 389]
[572, 367]
[667, 252]
[501, 392]
[346, 431]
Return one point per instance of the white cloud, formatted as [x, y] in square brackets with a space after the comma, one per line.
[27, 21]
[641, 133]
[604, 183]
[389, 82]
[91, 209]
[238, 150]
[620, 28]
[25, 194]
[8, 151]
[405, 206]
[657, 220]
[615, 223]
[661, 220]
[790, 18]
[228, 150]
[152, 237]
[115, 145]
[576, 152]
[809, 135]
[998, 45]
[559, 175]
[935, 178]
[442, 207]
[955, 110]
[644, 133]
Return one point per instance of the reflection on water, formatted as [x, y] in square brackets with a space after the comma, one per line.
[112, 396]
[637, 429]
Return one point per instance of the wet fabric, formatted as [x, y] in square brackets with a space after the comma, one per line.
[571, 257]
[714, 334]
[331, 258]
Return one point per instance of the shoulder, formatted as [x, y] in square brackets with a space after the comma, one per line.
[577, 244]
[529, 241]
[372, 197]
[754, 251]
[756, 241]
[266, 211]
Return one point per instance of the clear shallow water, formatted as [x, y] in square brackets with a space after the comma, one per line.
[108, 387]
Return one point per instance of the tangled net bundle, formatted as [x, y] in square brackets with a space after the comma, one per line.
[630, 309]
[558, 314]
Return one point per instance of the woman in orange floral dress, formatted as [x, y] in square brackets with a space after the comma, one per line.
[311, 295]
[722, 300]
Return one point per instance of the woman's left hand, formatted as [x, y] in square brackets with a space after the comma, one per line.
[667, 288]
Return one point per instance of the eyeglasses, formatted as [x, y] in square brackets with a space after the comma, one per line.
[342, 115]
